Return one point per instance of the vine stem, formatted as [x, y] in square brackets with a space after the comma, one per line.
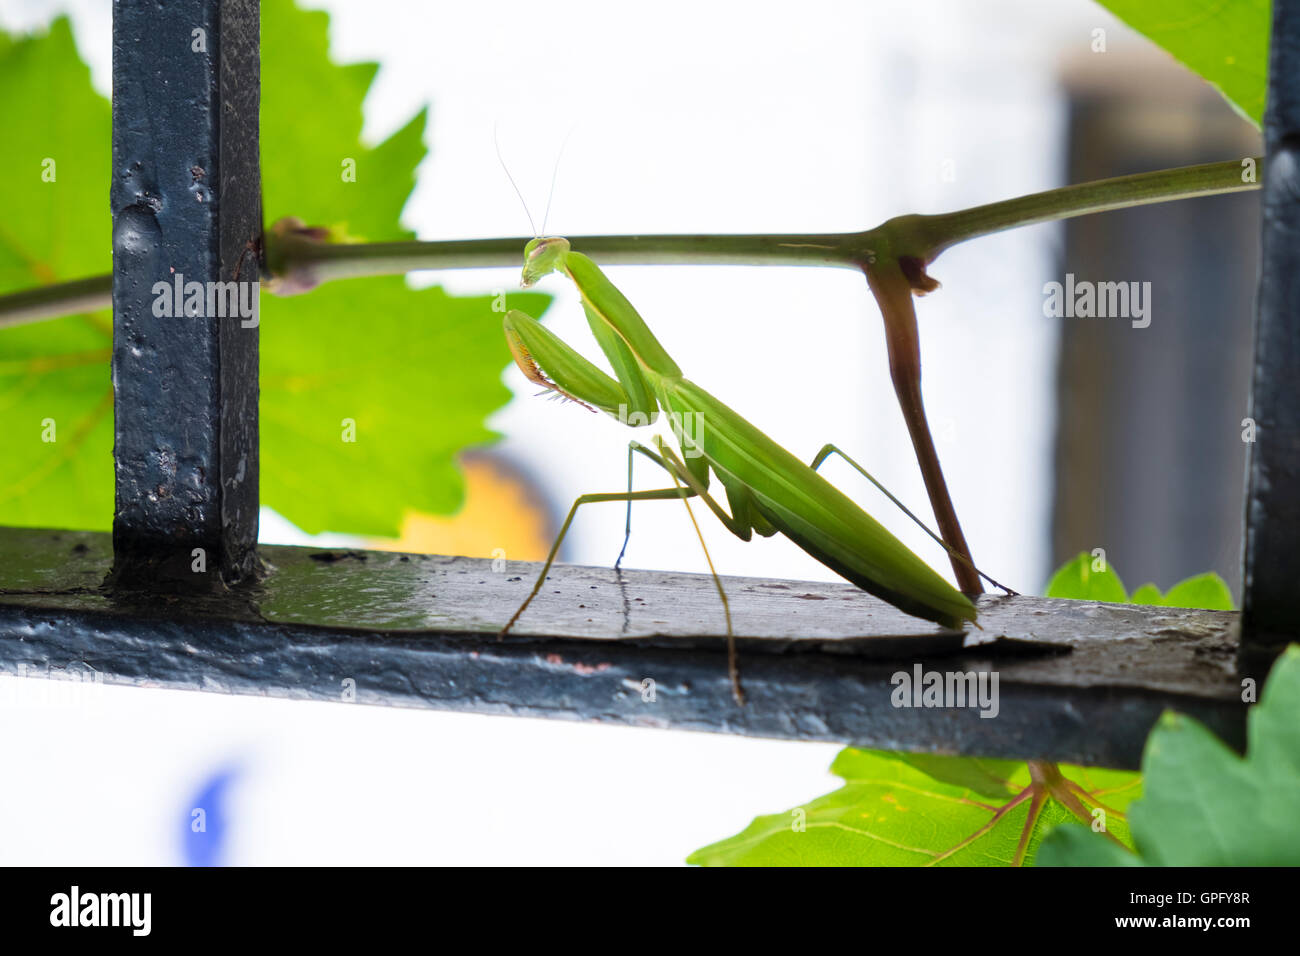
[940, 232]
[907, 244]
[56, 300]
[893, 291]
[298, 260]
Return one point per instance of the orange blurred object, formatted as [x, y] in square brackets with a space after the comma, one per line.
[504, 516]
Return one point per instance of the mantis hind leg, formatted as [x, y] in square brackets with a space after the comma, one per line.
[829, 449]
[695, 484]
[679, 471]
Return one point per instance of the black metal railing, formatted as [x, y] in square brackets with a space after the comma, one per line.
[187, 201]
[1270, 569]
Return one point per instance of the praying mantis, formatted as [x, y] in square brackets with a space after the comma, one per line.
[768, 490]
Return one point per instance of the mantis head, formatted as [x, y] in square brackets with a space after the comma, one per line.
[541, 256]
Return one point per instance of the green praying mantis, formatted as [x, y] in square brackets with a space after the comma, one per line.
[768, 490]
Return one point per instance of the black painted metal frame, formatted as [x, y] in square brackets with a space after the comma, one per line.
[179, 596]
[1270, 569]
[186, 199]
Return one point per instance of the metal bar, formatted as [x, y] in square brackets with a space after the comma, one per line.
[1076, 681]
[1271, 562]
[187, 216]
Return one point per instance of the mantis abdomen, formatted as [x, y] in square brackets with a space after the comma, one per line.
[810, 511]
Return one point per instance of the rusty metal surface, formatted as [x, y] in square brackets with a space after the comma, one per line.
[1078, 681]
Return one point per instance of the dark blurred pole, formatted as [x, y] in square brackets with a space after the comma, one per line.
[1150, 462]
[1271, 561]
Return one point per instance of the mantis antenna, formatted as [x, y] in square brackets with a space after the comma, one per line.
[555, 173]
[496, 141]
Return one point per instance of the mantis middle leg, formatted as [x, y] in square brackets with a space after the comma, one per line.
[685, 485]
[831, 449]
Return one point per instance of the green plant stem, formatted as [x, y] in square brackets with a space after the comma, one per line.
[328, 261]
[921, 236]
[939, 232]
[55, 300]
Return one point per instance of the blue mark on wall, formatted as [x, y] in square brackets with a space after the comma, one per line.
[207, 820]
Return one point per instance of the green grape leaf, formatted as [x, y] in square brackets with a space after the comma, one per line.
[901, 809]
[1082, 580]
[985, 776]
[1147, 594]
[416, 373]
[1074, 845]
[1206, 591]
[314, 164]
[411, 376]
[1225, 41]
[56, 397]
[1204, 805]
[891, 813]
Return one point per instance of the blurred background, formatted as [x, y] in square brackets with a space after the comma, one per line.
[1056, 435]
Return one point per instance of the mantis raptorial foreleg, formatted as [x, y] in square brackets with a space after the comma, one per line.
[831, 449]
